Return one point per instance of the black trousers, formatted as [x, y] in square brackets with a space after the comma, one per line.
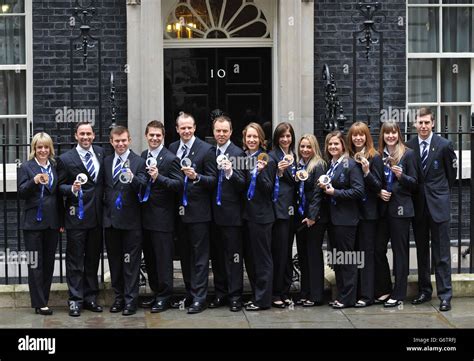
[441, 255]
[310, 258]
[260, 238]
[82, 263]
[397, 231]
[193, 245]
[227, 262]
[280, 255]
[124, 251]
[343, 240]
[248, 256]
[158, 249]
[40, 275]
[365, 243]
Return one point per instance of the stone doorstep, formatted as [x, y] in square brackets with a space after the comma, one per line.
[17, 296]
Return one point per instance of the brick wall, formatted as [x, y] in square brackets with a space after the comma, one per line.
[333, 46]
[51, 63]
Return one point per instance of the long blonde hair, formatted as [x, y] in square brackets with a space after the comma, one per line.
[317, 158]
[400, 147]
[44, 138]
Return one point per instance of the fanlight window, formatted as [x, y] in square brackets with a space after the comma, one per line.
[216, 19]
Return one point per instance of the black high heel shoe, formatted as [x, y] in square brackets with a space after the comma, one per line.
[45, 311]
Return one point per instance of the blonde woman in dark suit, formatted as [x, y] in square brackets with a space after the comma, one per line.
[38, 186]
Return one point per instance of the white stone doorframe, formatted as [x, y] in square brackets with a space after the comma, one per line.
[293, 66]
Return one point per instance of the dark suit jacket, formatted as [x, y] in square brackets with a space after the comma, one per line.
[129, 217]
[260, 208]
[286, 195]
[372, 184]
[435, 181]
[229, 213]
[199, 193]
[69, 166]
[316, 207]
[401, 202]
[159, 211]
[31, 192]
[348, 183]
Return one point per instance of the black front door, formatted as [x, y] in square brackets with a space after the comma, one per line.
[237, 81]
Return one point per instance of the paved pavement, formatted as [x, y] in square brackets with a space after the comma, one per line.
[407, 316]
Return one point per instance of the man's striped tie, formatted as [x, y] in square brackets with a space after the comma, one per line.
[117, 168]
[90, 165]
[184, 149]
[424, 154]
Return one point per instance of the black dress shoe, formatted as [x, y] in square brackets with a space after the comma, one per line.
[181, 303]
[116, 307]
[392, 303]
[147, 302]
[235, 306]
[421, 299]
[445, 305]
[129, 310]
[45, 311]
[92, 306]
[197, 307]
[276, 304]
[160, 306]
[217, 302]
[74, 311]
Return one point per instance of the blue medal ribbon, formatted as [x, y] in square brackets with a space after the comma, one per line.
[39, 212]
[80, 213]
[388, 178]
[276, 189]
[185, 188]
[147, 192]
[253, 180]
[302, 200]
[219, 188]
[185, 196]
[118, 201]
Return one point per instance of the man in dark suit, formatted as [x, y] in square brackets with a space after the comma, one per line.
[226, 201]
[165, 179]
[436, 174]
[83, 218]
[198, 161]
[124, 180]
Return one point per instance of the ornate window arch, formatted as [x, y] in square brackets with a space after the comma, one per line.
[216, 19]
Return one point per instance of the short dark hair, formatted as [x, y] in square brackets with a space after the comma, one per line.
[83, 123]
[222, 118]
[183, 115]
[421, 112]
[119, 130]
[155, 124]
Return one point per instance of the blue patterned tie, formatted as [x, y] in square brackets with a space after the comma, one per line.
[90, 165]
[117, 168]
[184, 148]
[424, 155]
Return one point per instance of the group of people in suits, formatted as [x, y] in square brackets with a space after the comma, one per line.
[240, 206]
